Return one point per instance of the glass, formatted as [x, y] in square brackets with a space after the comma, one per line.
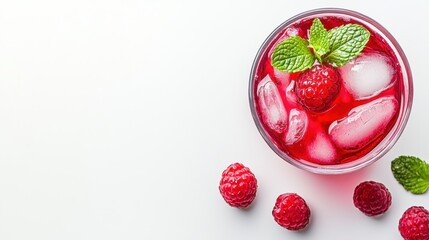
[406, 94]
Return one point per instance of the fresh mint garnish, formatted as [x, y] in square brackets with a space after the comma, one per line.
[347, 42]
[337, 47]
[319, 39]
[292, 55]
[412, 173]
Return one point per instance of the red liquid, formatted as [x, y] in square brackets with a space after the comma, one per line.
[318, 143]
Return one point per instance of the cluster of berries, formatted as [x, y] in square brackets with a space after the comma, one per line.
[238, 187]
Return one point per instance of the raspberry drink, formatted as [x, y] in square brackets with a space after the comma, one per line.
[330, 91]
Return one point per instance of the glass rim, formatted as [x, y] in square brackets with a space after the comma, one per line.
[404, 110]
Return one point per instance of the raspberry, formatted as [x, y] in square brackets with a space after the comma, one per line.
[414, 224]
[317, 88]
[372, 198]
[238, 185]
[291, 211]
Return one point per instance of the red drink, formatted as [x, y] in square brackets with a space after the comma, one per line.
[367, 113]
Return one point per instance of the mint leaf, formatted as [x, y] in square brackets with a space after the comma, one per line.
[292, 55]
[319, 39]
[412, 173]
[346, 42]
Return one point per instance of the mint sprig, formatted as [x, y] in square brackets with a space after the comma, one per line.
[347, 42]
[337, 47]
[412, 173]
[292, 55]
[319, 39]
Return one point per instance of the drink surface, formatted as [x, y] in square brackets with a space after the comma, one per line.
[362, 114]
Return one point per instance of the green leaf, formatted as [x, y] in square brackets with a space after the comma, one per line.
[319, 39]
[412, 173]
[346, 42]
[292, 55]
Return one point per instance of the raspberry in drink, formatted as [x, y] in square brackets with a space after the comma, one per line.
[330, 89]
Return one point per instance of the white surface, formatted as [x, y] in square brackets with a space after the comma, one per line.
[118, 117]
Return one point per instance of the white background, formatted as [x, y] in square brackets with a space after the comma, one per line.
[118, 117]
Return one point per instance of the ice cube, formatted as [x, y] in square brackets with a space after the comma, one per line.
[321, 149]
[291, 31]
[271, 105]
[364, 123]
[368, 75]
[290, 92]
[298, 121]
[281, 77]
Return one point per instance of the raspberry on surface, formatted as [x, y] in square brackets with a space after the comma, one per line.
[238, 185]
[291, 211]
[372, 198]
[318, 87]
[414, 224]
